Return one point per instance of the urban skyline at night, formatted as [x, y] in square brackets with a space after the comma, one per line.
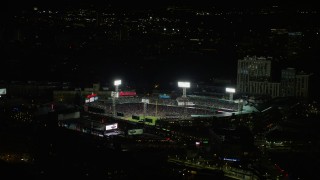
[171, 89]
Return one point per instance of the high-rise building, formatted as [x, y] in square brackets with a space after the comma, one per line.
[288, 81]
[254, 78]
[254, 74]
[264, 88]
[302, 85]
[294, 45]
[294, 83]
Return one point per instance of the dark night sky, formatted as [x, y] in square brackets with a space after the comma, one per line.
[168, 69]
[14, 4]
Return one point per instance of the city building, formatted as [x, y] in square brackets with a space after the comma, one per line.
[254, 76]
[302, 85]
[295, 83]
[264, 87]
[288, 80]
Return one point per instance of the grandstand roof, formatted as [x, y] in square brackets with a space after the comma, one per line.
[279, 102]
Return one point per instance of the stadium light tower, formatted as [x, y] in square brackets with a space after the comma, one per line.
[231, 91]
[184, 86]
[117, 83]
[145, 102]
[115, 95]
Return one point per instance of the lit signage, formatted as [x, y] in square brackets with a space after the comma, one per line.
[164, 96]
[91, 98]
[112, 126]
[114, 94]
[127, 93]
[91, 95]
[231, 159]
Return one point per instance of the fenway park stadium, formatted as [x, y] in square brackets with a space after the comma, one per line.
[118, 112]
[129, 106]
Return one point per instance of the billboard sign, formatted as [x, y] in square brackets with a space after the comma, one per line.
[135, 131]
[127, 93]
[114, 94]
[91, 98]
[91, 95]
[145, 100]
[111, 126]
[164, 96]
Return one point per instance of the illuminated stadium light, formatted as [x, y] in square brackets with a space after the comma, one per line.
[231, 91]
[117, 82]
[145, 102]
[115, 95]
[184, 84]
